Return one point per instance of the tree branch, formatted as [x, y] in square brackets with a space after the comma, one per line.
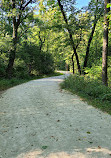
[42, 42]
[26, 4]
[22, 9]
[78, 42]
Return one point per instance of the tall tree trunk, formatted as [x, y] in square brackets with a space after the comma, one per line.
[70, 35]
[73, 62]
[9, 69]
[41, 42]
[105, 45]
[88, 46]
[91, 37]
[67, 67]
[16, 23]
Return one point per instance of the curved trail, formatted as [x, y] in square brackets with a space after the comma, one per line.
[38, 120]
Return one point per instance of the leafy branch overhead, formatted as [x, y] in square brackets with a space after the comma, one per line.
[70, 38]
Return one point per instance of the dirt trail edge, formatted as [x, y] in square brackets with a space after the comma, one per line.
[38, 120]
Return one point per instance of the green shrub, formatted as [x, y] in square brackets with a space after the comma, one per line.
[106, 97]
[40, 61]
[2, 68]
[44, 63]
[21, 72]
[7, 83]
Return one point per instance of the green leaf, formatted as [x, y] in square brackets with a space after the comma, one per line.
[88, 132]
[44, 147]
[50, 2]
[108, 5]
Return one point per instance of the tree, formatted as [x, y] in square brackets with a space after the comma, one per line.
[18, 11]
[36, 60]
[105, 44]
[97, 14]
[71, 37]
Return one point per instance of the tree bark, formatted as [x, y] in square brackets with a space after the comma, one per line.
[91, 37]
[88, 46]
[41, 41]
[70, 35]
[67, 67]
[13, 50]
[73, 62]
[105, 45]
[16, 23]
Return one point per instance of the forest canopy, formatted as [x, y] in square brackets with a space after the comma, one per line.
[39, 36]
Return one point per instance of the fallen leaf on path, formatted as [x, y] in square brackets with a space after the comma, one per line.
[44, 147]
[90, 142]
[99, 147]
[52, 136]
[82, 99]
[2, 113]
[88, 132]
[79, 139]
[4, 131]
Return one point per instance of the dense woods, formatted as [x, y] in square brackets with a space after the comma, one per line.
[39, 36]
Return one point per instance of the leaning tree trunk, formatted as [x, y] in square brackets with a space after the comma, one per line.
[105, 45]
[41, 42]
[91, 37]
[70, 35]
[88, 46]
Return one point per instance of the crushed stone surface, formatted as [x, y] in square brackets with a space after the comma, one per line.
[39, 120]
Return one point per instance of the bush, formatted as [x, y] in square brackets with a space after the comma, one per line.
[2, 66]
[21, 72]
[2, 69]
[39, 61]
[7, 83]
[45, 64]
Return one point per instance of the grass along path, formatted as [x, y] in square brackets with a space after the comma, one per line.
[90, 90]
[8, 83]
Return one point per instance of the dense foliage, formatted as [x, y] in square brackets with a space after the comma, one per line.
[38, 36]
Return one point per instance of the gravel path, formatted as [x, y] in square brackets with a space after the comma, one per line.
[38, 120]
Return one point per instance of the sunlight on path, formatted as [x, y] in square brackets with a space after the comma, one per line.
[39, 120]
[76, 154]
